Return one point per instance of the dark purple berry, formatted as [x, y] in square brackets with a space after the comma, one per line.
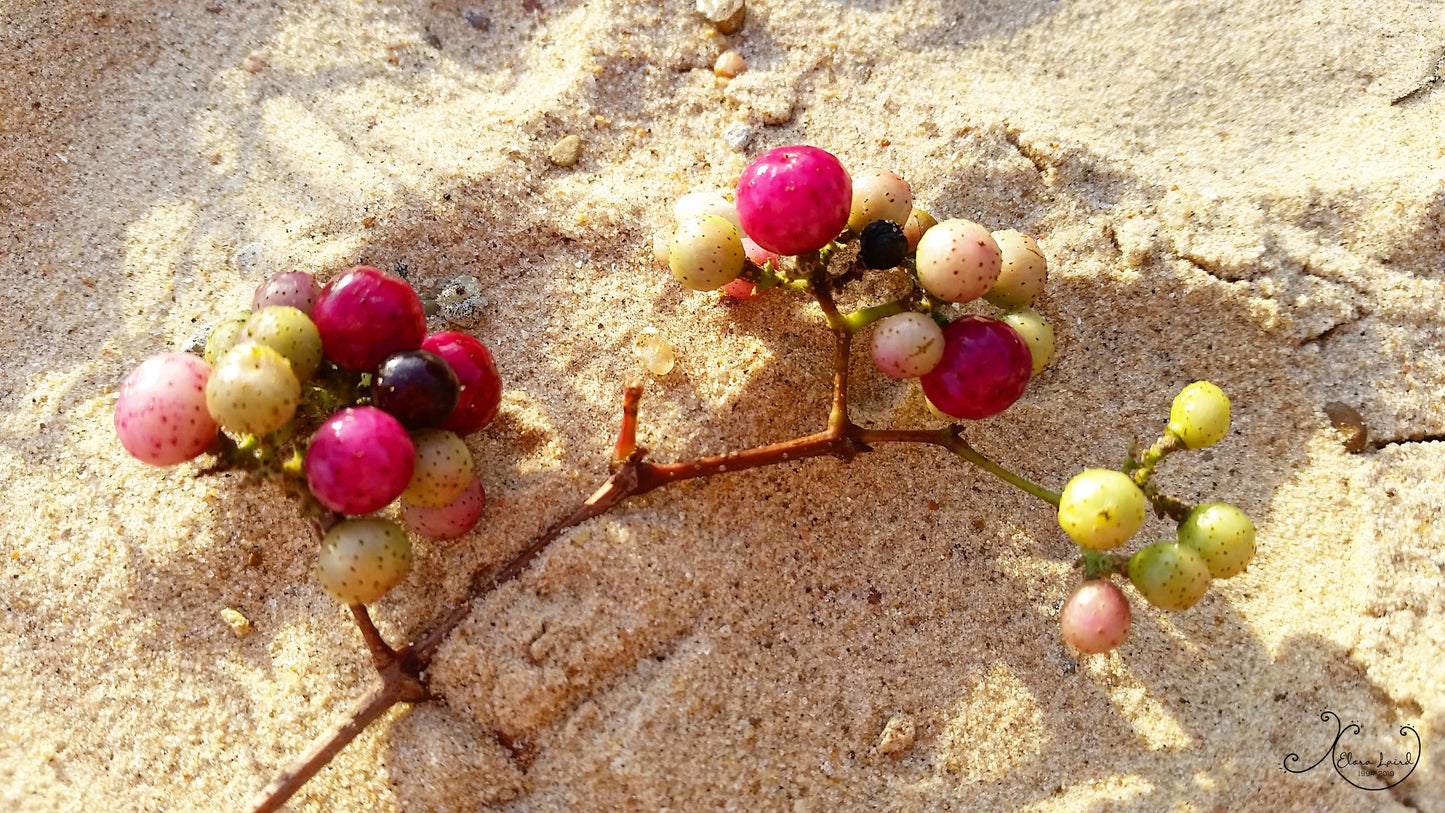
[882, 244]
[417, 387]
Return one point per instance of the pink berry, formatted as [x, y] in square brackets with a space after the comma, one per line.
[906, 345]
[985, 367]
[298, 289]
[1096, 617]
[958, 260]
[481, 386]
[365, 315]
[450, 520]
[161, 416]
[359, 460]
[794, 199]
[741, 288]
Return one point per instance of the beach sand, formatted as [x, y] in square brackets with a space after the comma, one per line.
[1225, 191]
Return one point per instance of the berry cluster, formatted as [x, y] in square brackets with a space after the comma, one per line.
[340, 392]
[796, 210]
[799, 202]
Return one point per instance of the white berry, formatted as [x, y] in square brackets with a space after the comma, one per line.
[958, 260]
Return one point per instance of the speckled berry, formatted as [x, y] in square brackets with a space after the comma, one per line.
[1101, 508]
[479, 384]
[443, 468]
[225, 335]
[1169, 575]
[984, 369]
[1199, 415]
[450, 520]
[252, 390]
[297, 289]
[794, 199]
[361, 559]
[706, 253]
[746, 289]
[879, 194]
[707, 202]
[290, 332]
[1037, 333]
[958, 260]
[882, 245]
[160, 414]
[359, 460]
[918, 222]
[1096, 617]
[1023, 271]
[1223, 535]
[906, 345]
[365, 315]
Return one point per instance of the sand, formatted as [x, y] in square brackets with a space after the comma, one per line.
[1224, 191]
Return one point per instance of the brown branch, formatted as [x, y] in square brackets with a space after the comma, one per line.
[402, 670]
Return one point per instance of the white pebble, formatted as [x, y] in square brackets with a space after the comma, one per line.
[718, 10]
[738, 136]
[654, 352]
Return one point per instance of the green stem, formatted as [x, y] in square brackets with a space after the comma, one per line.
[861, 318]
[951, 438]
[967, 452]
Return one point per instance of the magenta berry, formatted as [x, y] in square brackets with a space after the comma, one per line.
[794, 199]
[365, 315]
[161, 416]
[449, 521]
[359, 460]
[480, 385]
[1096, 617]
[984, 369]
[296, 289]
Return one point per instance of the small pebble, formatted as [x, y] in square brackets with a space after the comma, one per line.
[729, 64]
[476, 19]
[566, 152]
[248, 258]
[738, 136]
[458, 289]
[654, 352]
[897, 736]
[239, 624]
[726, 15]
[717, 11]
[196, 343]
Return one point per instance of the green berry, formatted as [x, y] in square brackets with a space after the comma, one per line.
[443, 469]
[1222, 535]
[706, 253]
[1101, 508]
[1199, 415]
[361, 559]
[1037, 333]
[252, 390]
[1023, 271]
[225, 335]
[1169, 575]
[291, 333]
